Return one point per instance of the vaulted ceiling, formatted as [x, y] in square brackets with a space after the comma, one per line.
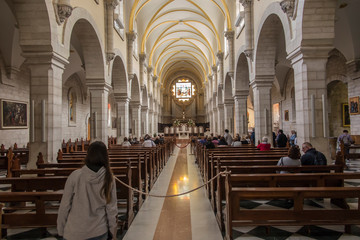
[180, 35]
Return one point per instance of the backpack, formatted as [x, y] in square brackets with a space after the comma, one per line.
[319, 159]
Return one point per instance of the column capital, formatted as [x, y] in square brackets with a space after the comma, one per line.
[241, 93]
[262, 81]
[246, 3]
[229, 34]
[320, 51]
[142, 57]
[155, 78]
[121, 98]
[63, 11]
[112, 3]
[228, 101]
[149, 69]
[41, 58]
[288, 7]
[214, 68]
[220, 55]
[353, 68]
[131, 36]
[97, 84]
[144, 108]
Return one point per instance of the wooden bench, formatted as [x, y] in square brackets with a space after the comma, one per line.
[237, 216]
[280, 180]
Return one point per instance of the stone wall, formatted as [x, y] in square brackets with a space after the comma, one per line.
[337, 96]
[16, 89]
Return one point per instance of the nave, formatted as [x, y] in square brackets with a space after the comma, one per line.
[191, 216]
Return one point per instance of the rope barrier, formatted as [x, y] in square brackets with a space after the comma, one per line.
[183, 146]
[173, 195]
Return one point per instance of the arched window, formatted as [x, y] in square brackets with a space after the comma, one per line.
[119, 23]
[72, 106]
[240, 18]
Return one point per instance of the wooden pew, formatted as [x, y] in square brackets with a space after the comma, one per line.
[236, 216]
[280, 180]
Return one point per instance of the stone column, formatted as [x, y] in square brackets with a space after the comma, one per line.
[45, 105]
[221, 118]
[131, 37]
[248, 27]
[310, 90]
[122, 117]
[262, 107]
[240, 100]
[145, 119]
[230, 40]
[214, 116]
[220, 78]
[110, 7]
[136, 119]
[229, 115]
[149, 80]
[99, 93]
[142, 58]
[151, 117]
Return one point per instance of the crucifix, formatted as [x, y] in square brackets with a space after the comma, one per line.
[183, 113]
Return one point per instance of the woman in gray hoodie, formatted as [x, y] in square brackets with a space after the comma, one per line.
[88, 208]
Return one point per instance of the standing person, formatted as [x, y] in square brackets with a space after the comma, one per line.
[281, 139]
[292, 159]
[148, 142]
[346, 139]
[293, 138]
[228, 137]
[88, 208]
[252, 137]
[264, 146]
[311, 156]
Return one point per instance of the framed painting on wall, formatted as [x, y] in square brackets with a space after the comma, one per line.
[354, 105]
[345, 115]
[286, 115]
[14, 114]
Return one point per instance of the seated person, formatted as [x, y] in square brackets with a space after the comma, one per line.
[264, 146]
[311, 156]
[236, 142]
[292, 159]
[222, 142]
[148, 142]
[126, 143]
[215, 141]
[245, 140]
[209, 144]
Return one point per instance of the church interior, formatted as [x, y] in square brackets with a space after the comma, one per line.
[182, 73]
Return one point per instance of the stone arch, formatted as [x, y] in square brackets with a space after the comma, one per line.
[337, 97]
[135, 90]
[119, 80]
[336, 67]
[81, 27]
[323, 22]
[241, 74]
[228, 87]
[270, 47]
[42, 25]
[144, 99]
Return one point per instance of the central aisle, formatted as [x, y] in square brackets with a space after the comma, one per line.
[187, 217]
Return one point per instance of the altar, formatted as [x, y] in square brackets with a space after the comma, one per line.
[183, 131]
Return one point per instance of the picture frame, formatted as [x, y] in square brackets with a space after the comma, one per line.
[345, 115]
[354, 105]
[286, 115]
[14, 114]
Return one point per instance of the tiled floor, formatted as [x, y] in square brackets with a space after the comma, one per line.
[202, 223]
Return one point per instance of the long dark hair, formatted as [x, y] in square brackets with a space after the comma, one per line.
[97, 156]
[294, 152]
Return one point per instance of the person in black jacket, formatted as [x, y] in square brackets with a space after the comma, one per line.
[281, 139]
[311, 156]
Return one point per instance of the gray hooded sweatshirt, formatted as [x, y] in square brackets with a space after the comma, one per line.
[83, 211]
